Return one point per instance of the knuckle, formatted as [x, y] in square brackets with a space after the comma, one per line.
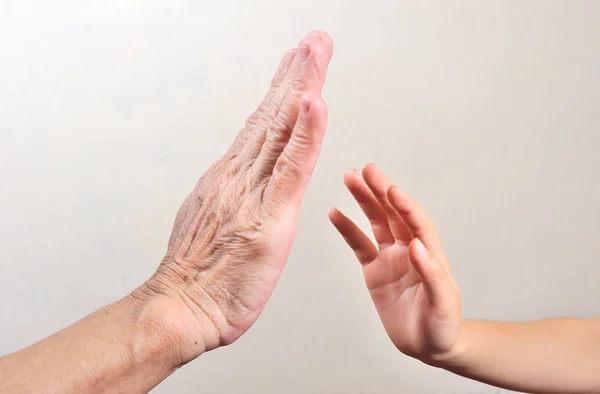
[299, 84]
[276, 139]
[253, 119]
[282, 123]
[261, 123]
[304, 139]
[230, 170]
[287, 166]
[251, 122]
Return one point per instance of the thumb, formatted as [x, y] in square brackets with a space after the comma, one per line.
[437, 284]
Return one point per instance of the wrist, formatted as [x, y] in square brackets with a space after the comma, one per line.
[150, 338]
[164, 330]
[457, 356]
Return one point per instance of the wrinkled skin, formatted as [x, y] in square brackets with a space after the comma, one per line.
[408, 274]
[233, 233]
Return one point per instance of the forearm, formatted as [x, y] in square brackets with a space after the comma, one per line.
[546, 356]
[123, 347]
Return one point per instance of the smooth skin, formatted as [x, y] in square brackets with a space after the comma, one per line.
[413, 289]
[229, 244]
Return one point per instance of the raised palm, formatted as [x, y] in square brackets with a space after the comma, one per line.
[407, 274]
[233, 233]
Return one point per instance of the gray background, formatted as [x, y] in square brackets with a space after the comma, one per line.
[486, 111]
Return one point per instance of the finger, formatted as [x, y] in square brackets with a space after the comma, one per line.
[276, 82]
[309, 77]
[362, 246]
[371, 208]
[295, 165]
[436, 282]
[414, 216]
[379, 183]
[258, 134]
[278, 78]
[322, 52]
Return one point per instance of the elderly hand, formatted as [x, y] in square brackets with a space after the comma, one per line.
[233, 233]
[229, 244]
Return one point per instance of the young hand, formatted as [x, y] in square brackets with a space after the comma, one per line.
[407, 274]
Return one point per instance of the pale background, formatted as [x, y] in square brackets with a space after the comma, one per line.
[487, 111]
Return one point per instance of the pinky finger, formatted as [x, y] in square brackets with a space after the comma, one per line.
[362, 246]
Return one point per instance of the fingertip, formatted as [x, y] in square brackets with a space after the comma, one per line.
[320, 45]
[392, 193]
[288, 58]
[370, 169]
[284, 66]
[432, 272]
[310, 41]
[372, 175]
[350, 177]
[333, 213]
[399, 198]
[420, 260]
[338, 219]
[418, 251]
[302, 52]
[323, 36]
[289, 55]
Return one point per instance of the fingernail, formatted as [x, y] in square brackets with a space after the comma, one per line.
[421, 250]
[305, 104]
[316, 33]
[303, 52]
[286, 61]
[354, 169]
